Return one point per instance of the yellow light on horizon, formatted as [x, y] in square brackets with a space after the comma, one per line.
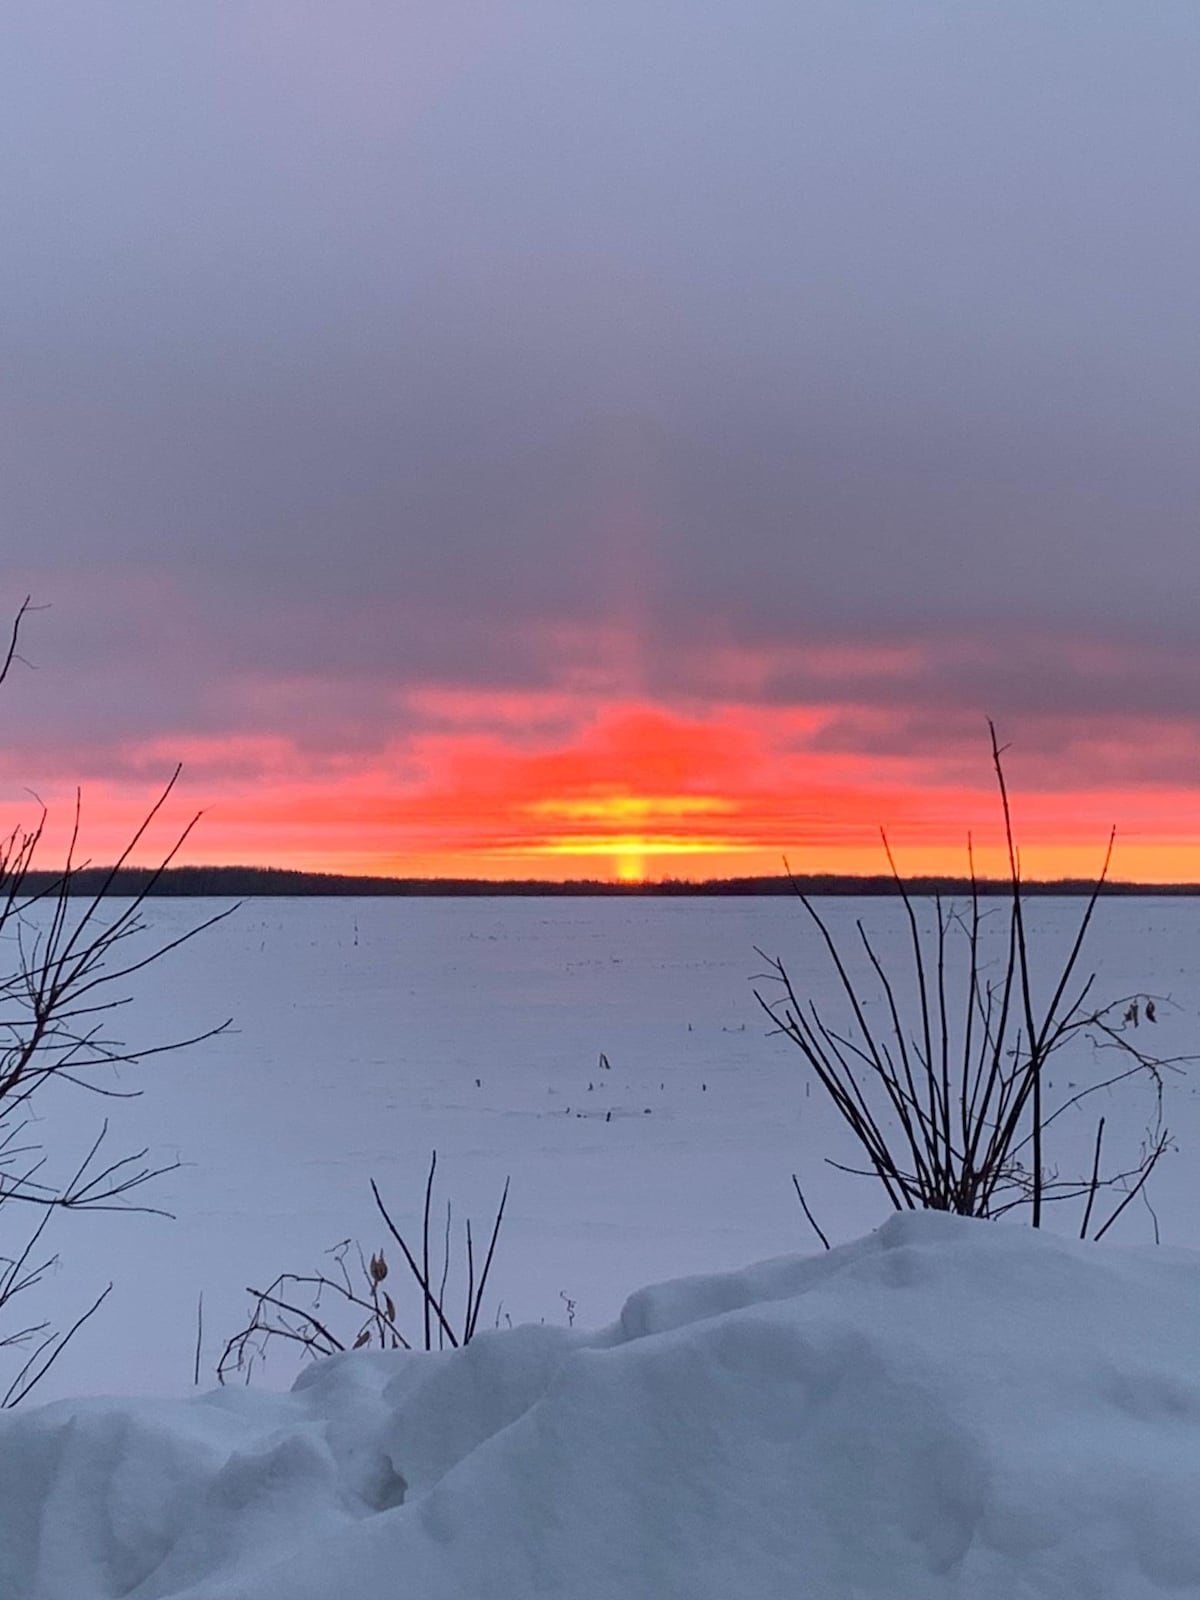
[617, 844]
[629, 808]
[630, 868]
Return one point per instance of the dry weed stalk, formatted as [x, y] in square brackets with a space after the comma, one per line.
[345, 1310]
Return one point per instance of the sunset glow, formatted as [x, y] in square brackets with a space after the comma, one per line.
[630, 791]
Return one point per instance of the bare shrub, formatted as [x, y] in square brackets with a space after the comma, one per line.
[66, 959]
[939, 1073]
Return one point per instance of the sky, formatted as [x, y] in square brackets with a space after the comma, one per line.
[539, 438]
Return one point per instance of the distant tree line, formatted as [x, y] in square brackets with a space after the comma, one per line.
[242, 882]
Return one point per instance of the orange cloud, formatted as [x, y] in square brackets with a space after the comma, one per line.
[560, 784]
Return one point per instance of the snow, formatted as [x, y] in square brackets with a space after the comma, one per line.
[942, 1408]
[360, 1029]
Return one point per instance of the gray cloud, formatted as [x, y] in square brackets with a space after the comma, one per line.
[370, 343]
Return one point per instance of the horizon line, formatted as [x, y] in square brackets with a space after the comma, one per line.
[173, 880]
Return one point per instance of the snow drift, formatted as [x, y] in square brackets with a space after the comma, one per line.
[946, 1408]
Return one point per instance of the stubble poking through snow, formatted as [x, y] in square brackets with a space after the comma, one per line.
[946, 1408]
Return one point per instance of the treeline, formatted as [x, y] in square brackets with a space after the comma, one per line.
[244, 882]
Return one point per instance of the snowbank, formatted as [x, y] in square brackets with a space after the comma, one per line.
[945, 1408]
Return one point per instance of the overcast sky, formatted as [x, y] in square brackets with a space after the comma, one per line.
[376, 376]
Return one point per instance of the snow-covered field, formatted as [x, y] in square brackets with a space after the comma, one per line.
[369, 1032]
[942, 1409]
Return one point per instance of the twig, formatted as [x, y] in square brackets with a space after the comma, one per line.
[199, 1339]
[18, 1390]
[812, 1221]
[1094, 1185]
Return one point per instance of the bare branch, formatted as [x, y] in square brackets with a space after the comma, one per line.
[9, 654]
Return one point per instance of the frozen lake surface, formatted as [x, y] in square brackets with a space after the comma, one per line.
[369, 1031]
